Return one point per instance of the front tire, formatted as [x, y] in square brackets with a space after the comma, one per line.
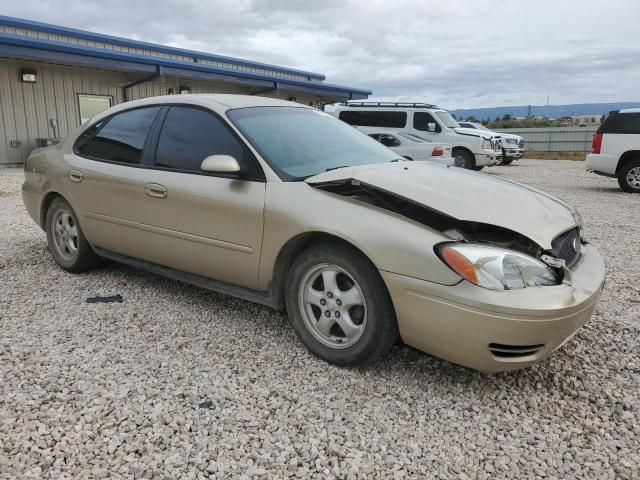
[463, 159]
[505, 160]
[67, 243]
[339, 305]
[629, 176]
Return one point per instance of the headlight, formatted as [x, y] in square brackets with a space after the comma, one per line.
[511, 140]
[497, 268]
[486, 144]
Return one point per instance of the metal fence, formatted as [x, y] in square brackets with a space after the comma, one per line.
[560, 139]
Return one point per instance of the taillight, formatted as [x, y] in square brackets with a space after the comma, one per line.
[596, 144]
[437, 152]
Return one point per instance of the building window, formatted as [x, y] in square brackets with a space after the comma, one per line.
[91, 105]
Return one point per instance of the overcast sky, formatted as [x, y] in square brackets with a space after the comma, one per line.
[459, 54]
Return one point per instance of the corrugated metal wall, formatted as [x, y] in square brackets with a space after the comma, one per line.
[26, 108]
[557, 139]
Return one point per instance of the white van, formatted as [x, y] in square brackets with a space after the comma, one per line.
[472, 149]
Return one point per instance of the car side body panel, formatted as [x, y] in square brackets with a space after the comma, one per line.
[390, 241]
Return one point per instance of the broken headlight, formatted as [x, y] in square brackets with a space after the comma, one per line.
[497, 268]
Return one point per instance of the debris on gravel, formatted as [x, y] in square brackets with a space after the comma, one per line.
[180, 382]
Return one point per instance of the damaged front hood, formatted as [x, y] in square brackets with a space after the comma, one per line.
[464, 195]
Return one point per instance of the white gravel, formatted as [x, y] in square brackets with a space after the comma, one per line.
[178, 382]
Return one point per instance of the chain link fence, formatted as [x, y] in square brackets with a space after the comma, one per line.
[559, 139]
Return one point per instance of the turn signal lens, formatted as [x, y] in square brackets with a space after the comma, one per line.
[497, 268]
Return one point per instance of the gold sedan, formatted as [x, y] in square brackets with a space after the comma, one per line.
[287, 206]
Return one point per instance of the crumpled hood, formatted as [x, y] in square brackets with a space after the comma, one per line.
[466, 195]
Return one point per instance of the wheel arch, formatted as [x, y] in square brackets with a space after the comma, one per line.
[46, 203]
[290, 251]
[464, 149]
[627, 157]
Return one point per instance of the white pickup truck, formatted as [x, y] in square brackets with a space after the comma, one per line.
[512, 145]
[615, 150]
[472, 149]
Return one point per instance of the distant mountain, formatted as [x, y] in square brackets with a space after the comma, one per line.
[551, 111]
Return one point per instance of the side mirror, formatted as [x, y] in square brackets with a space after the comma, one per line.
[220, 164]
[431, 127]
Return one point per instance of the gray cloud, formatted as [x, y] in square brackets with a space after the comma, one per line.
[454, 53]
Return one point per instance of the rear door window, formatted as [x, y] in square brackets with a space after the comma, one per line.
[122, 138]
[374, 118]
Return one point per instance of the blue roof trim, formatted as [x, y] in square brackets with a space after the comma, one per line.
[125, 42]
[54, 46]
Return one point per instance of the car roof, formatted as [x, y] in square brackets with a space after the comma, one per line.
[217, 102]
[630, 110]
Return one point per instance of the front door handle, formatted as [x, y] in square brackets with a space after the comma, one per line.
[75, 175]
[155, 190]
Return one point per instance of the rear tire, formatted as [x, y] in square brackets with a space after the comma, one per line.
[629, 176]
[339, 305]
[463, 159]
[67, 243]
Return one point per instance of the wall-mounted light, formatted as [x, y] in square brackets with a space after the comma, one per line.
[28, 76]
[184, 89]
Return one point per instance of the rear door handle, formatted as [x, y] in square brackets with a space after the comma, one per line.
[155, 190]
[75, 175]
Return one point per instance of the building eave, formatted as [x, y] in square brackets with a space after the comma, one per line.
[49, 50]
[125, 42]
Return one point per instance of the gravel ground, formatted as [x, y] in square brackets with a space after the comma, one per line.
[179, 382]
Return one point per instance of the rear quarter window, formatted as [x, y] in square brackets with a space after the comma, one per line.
[621, 123]
[374, 118]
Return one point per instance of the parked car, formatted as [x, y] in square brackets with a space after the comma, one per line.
[512, 145]
[615, 150]
[471, 149]
[413, 147]
[284, 205]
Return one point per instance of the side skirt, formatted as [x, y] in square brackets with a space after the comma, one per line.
[257, 296]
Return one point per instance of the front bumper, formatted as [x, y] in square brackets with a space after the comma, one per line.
[488, 158]
[459, 323]
[512, 152]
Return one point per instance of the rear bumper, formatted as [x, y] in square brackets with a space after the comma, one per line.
[463, 323]
[601, 163]
[443, 160]
[32, 201]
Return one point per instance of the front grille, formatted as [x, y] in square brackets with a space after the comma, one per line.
[496, 144]
[514, 351]
[567, 246]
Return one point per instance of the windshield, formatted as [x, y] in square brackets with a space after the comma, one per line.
[301, 142]
[447, 119]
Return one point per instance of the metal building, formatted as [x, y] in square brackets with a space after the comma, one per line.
[54, 78]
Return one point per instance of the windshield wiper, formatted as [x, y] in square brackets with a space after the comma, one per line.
[336, 168]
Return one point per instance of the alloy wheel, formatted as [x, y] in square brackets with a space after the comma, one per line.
[633, 177]
[65, 235]
[333, 306]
